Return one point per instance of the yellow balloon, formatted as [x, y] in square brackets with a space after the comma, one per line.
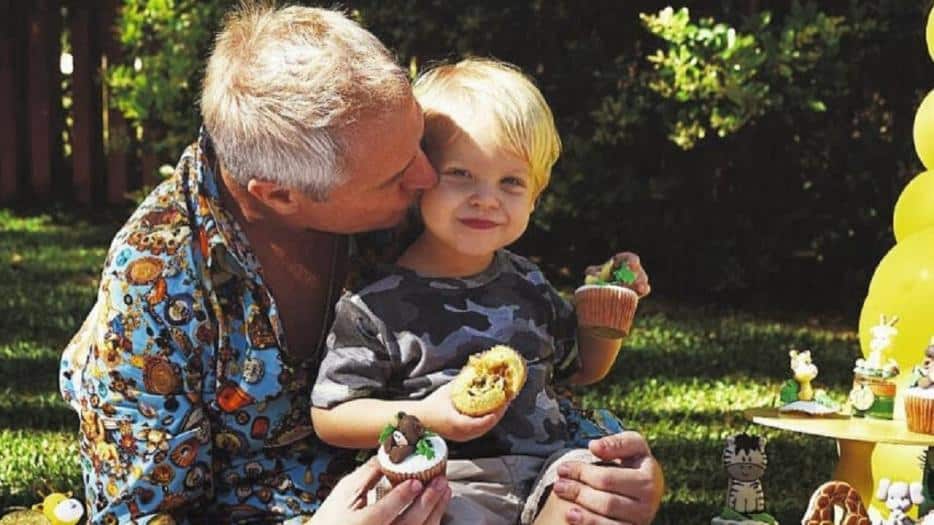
[914, 210]
[929, 33]
[924, 131]
[903, 286]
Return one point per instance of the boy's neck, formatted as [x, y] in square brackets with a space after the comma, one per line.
[429, 257]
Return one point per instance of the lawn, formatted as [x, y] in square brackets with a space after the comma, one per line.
[685, 376]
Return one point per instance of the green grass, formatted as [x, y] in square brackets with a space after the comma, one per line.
[683, 379]
[48, 274]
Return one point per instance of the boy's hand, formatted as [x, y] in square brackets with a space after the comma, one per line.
[640, 285]
[439, 415]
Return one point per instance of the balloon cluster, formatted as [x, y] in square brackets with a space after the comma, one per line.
[902, 286]
[903, 283]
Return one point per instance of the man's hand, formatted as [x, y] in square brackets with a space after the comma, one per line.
[628, 491]
[346, 503]
[438, 413]
[641, 284]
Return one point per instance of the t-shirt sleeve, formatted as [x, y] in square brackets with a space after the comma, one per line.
[357, 361]
[564, 331]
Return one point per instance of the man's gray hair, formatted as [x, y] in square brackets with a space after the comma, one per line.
[282, 84]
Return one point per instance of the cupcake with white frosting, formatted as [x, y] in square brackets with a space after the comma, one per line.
[409, 451]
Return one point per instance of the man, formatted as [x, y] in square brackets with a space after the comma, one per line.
[191, 374]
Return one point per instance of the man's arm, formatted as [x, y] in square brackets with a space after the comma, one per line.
[133, 373]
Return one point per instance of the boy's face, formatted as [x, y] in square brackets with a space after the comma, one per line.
[484, 197]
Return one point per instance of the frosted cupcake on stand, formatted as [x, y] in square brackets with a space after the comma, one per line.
[919, 399]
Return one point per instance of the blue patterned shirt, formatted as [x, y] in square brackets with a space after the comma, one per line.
[191, 408]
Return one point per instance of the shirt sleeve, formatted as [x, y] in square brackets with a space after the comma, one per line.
[358, 361]
[134, 374]
[564, 332]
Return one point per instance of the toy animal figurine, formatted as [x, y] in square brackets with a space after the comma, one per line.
[798, 395]
[745, 461]
[882, 335]
[55, 509]
[899, 497]
[835, 494]
[61, 509]
[805, 371]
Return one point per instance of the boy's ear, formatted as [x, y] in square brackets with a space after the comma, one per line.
[279, 198]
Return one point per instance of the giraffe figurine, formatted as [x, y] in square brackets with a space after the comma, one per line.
[835, 494]
[805, 371]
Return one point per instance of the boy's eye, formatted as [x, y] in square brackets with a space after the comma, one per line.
[514, 181]
[457, 172]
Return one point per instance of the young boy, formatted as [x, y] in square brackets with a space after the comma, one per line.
[456, 291]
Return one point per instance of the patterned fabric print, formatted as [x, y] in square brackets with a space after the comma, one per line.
[403, 336]
[186, 397]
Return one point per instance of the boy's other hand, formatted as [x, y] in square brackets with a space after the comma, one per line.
[641, 285]
[439, 415]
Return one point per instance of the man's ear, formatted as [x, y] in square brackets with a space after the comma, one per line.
[279, 198]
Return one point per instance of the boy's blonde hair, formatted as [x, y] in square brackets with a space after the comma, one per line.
[522, 118]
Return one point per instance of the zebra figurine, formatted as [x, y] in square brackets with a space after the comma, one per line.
[745, 461]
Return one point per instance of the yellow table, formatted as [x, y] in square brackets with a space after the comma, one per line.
[856, 439]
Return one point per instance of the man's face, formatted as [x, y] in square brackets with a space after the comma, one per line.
[386, 169]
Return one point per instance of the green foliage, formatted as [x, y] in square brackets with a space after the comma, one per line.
[156, 86]
[739, 151]
[717, 78]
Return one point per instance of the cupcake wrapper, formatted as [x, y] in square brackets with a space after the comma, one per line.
[919, 412]
[424, 476]
[606, 310]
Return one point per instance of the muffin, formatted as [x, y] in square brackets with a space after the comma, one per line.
[409, 451]
[919, 398]
[488, 381]
[605, 306]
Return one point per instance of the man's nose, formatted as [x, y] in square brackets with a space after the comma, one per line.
[420, 175]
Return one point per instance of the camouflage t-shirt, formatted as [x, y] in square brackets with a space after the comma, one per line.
[404, 335]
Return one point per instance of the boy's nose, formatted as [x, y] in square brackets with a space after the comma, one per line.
[484, 197]
[420, 175]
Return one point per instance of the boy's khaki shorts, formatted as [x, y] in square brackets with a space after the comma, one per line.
[503, 490]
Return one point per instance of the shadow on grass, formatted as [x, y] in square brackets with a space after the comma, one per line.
[47, 417]
[30, 375]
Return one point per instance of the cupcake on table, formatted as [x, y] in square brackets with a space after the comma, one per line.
[919, 399]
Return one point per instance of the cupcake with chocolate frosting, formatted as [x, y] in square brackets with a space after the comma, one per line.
[409, 451]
